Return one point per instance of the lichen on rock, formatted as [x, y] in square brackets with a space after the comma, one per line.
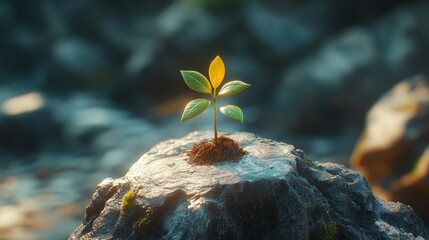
[128, 203]
[328, 231]
[141, 226]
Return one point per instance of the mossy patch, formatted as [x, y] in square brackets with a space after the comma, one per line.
[310, 206]
[308, 161]
[141, 226]
[138, 215]
[328, 231]
[128, 203]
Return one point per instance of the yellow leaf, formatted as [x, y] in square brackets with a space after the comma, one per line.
[216, 72]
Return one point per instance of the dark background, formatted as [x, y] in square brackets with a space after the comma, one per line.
[86, 87]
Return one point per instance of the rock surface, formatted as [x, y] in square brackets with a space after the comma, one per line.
[391, 152]
[274, 192]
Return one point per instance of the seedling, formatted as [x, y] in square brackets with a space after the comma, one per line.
[198, 82]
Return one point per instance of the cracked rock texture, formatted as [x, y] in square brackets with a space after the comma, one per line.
[274, 192]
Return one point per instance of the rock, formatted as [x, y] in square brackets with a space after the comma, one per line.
[191, 28]
[274, 192]
[413, 187]
[291, 28]
[79, 56]
[86, 117]
[296, 27]
[402, 34]
[78, 62]
[393, 141]
[87, 120]
[347, 74]
[314, 84]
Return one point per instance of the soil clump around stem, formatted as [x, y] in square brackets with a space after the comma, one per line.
[207, 152]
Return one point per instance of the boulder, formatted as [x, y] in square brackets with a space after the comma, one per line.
[273, 192]
[349, 71]
[412, 188]
[191, 28]
[391, 151]
[293, 27]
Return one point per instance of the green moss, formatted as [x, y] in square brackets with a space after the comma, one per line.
[328, 230]
[308, 160]
[128, 203]
[309, 205]
[141, 226]
[86, 212]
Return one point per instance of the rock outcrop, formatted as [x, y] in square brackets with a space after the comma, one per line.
[349, 71]
[391, 152]
[274, 192]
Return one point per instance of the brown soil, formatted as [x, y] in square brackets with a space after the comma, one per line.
[207, 152]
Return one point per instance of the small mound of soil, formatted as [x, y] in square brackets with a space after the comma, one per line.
[207, 152]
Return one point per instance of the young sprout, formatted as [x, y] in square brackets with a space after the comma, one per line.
[198, 82]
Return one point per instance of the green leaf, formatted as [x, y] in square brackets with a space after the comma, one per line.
[232, 112]
[196, 81]
[194, 108]
[233, 87]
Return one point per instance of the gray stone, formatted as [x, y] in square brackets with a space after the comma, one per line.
[86, 117]
[190, 28]
[317, 82]
[402, 34]
[351, 70]
[274, 192]
[79, 56]
[286, 31]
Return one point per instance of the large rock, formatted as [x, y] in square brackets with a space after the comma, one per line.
[292, 27]
[274, 192]
[347, 74]
[390, 152]
[191, 28]
[412, 188]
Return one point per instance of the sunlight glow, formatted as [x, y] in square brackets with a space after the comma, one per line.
[24, 103]
[195, 203]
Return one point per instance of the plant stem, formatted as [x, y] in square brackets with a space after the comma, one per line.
[214, 118]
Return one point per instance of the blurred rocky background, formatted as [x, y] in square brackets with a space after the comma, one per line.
[86, 87]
